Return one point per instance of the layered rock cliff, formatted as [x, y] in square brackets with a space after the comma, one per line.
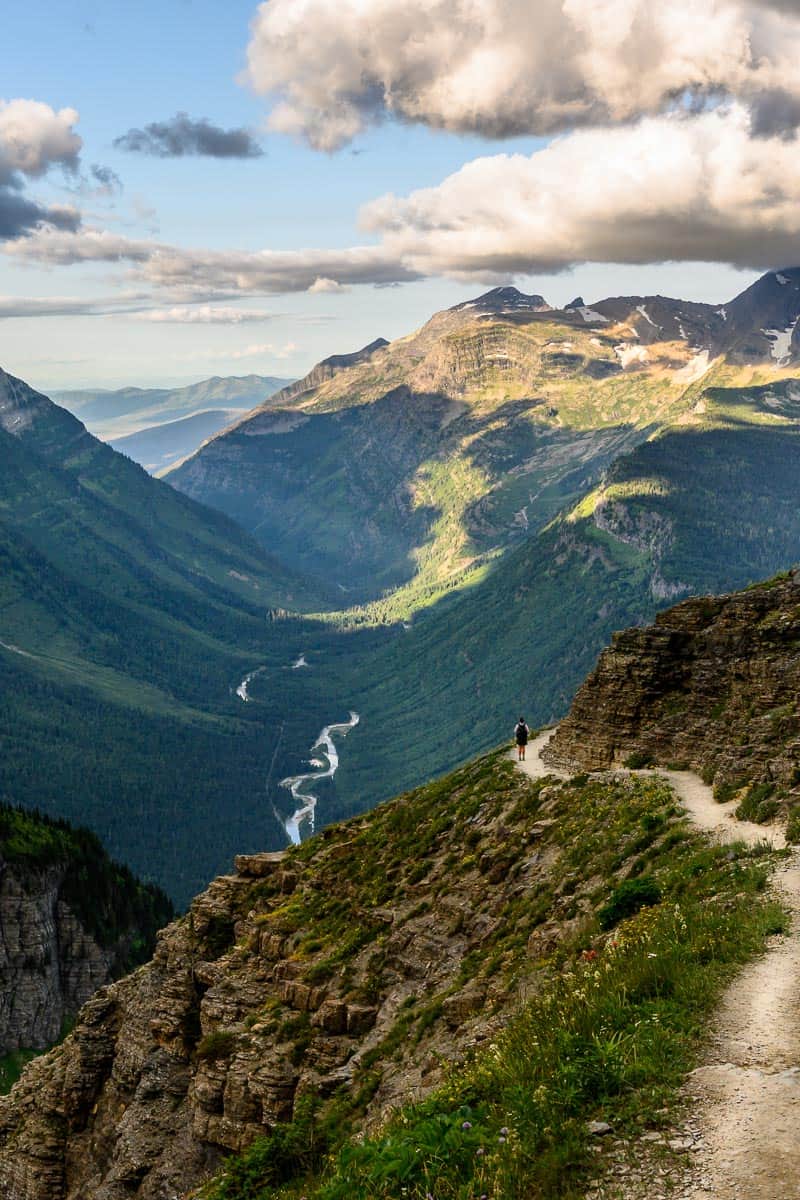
[70, 921]
[49, 963]
[713, 685]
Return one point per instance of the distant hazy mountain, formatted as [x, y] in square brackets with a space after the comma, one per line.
[115, 414]
[160, 446]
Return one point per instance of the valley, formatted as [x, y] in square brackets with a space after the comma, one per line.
[447, 528]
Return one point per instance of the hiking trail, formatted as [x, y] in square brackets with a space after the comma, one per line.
[742, 1140]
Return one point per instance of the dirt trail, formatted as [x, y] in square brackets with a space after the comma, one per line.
[746, 1097]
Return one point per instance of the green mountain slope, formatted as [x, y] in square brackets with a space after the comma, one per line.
[128, 615]
[710, 503]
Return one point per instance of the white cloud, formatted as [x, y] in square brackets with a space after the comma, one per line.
[700, 189]
[504, 67]
[58, 248]
[196, 273]
[206, 314]
[34, 137]
[321, 286]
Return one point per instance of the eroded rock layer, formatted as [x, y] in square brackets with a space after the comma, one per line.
[713, 685]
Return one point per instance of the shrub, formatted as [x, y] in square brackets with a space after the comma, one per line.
[793, 826]
[627, 899]
[221, 1043]
[639, 758]
[757, 804]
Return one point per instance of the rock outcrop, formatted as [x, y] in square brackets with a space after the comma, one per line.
[49, 963]
[713, 685]
[71, 920]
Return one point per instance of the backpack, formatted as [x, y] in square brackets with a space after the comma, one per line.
[521, 733]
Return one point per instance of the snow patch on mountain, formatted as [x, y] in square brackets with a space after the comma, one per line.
[782, 342]
[629, 355]
[591, 316]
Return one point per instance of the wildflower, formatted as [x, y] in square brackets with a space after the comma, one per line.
[504, 1131]
[466, 1124]
[589, 955]
[480, 1151]
[502, 1141]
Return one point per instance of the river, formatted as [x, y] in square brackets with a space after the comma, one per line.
[304, 813]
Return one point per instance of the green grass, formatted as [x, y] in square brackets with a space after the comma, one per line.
[11, 1067]
[616, 1014]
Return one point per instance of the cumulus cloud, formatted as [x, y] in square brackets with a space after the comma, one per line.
[205, 314]
[183, 135]
[701, 189]
[504, 67]
[34, 138]
[322, 286]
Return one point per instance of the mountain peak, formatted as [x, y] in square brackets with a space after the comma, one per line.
[503, 299]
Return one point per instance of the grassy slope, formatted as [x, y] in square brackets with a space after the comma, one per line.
[620, 996]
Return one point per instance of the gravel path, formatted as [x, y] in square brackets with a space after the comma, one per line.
[743, 1138]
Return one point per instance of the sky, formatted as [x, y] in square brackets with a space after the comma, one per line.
[191, 188]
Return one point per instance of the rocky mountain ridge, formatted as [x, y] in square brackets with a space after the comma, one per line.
[359, 964]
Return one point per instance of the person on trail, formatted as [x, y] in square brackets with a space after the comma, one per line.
[521, 734]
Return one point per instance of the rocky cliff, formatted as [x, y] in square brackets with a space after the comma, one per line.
[714, 685]
[357, 967]
[49, 963]
[70, 921]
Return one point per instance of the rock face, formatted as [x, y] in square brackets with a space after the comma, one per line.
[714, 684]
[49, 964]
[362, 961]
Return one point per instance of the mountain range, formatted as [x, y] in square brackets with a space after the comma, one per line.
[116, 413]
[414, 462]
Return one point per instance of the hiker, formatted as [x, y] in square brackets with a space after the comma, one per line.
[521, 735]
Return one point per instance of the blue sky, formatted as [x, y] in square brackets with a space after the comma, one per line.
[122, 66]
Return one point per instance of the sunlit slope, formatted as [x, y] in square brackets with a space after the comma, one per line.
[411, 463]
[711, 503]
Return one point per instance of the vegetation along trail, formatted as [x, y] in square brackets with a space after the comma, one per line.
[746, 1096]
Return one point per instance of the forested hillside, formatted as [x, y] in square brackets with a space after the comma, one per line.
[128, 616]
